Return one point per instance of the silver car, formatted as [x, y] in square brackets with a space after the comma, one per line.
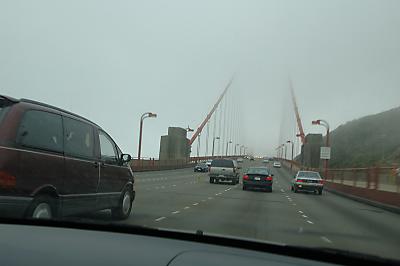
[307, 181]
[224, 170]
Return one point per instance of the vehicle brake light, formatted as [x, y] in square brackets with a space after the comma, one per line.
[321, 181]
[7, 180]
[300, 180]
[246, 177]
[268, 178]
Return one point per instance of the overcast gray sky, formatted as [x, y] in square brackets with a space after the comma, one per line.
[110, 61]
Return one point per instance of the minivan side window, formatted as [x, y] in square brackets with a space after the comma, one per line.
[41, 130]
[78, 138]
[107, 149]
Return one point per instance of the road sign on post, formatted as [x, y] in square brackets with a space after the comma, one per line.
[325, 153]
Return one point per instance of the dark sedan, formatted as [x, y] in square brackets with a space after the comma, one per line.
[201, 167]
[258, 177]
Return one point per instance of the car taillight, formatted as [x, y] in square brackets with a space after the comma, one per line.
[268, 178]
[7, 180]
[300, 180]
[321, 181]
[246, 177]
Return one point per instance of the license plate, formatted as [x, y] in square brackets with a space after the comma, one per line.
[257, 178]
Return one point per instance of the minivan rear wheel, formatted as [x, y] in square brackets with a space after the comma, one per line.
[42, 207]
[124, 207]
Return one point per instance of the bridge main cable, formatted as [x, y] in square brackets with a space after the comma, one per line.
[200, 128]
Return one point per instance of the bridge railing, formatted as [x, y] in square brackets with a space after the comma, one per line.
[154, 164]
[378, 184]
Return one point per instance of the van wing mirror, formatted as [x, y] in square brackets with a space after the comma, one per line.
[125, 158]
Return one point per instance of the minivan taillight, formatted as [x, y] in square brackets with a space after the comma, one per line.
[246, 177]
[268, 178]
[7, 180]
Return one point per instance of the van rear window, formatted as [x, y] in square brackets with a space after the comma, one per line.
[4, 107]
[222, 163]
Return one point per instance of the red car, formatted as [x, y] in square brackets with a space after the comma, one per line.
[54, 163]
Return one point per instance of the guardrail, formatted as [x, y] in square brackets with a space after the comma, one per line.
[377, 184]
[154, 164]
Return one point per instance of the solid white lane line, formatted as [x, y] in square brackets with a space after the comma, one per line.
[175, 212]
[187, 207]
[194, 204]
[159, 219]
[308, 221]
[327, 240]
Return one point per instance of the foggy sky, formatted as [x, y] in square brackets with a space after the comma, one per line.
[111, 61]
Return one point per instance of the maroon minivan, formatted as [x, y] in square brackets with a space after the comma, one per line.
[54, 163]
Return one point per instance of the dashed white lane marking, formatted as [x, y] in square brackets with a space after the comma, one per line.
[300, 212]
[226, 190]
[210, 197]
[203, 200]
[174, 185]
[282, 190]
[327, 240]
[308, 221]
[294, 204]
[175, 212]
[195, 204]
[187, 207]
[305, 216]
[301, 230]
[159, 219]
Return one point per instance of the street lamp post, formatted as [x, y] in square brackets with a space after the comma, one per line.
[291, 163]
[284, 144]
[325, 124]
[144, 116]
[214, 145]
[226, 153]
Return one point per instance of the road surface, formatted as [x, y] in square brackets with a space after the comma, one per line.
[184, 200]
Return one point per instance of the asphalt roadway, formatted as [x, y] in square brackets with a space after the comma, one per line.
[184, 200]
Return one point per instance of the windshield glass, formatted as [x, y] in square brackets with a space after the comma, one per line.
[150, 113]
[309, 175]
[258, 171]
[221, 163]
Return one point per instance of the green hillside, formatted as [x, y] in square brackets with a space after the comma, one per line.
[368, 141]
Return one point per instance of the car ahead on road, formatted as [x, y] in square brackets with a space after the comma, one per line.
[54, 163]
[209, 163]
[277, 164]
[265, 161]
[307, 181]
[224, 170]
[201, 167]
[240, 160]
[251, 158]
[258, 177]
